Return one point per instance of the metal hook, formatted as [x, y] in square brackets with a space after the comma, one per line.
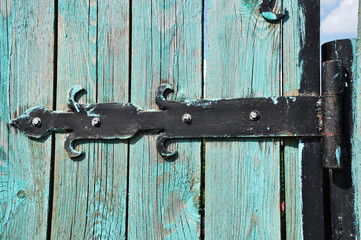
[162, 149]
[71, 102]
[68, 146]
[160, 95]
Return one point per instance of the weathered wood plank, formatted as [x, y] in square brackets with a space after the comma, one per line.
[356, 139]
[242, 188]
[166, 47]
[26, 80]
[93, 48]
[301, 77]
[113, 86]
[293, 188]
[293, 32]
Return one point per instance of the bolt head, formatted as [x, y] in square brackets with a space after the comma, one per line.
[254, 115]
[96, 122]
[187, 118]
[36, 122]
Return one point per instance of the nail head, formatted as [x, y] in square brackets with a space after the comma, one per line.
[254, 115]
[96, 122]
[187, 118]
[36, 122]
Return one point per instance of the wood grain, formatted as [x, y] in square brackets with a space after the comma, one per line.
[293, 34]
[356, 140]
[93, 48]
[26, 80]
[166, 48]
[293, 188]
[302, 162]
[242, 188]
[94, 44]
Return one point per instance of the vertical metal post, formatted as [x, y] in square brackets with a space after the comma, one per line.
[341, 192]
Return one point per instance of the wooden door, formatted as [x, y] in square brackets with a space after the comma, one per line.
[121, 51]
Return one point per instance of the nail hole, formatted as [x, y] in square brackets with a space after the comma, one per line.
[21, 194]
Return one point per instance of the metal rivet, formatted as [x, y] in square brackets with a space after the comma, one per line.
[254, 115]
[36, 122]
[21, 194]
[96, 122]
[187, 118]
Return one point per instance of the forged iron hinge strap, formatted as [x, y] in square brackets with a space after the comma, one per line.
[220, 118]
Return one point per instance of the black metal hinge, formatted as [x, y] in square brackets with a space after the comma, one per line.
[301, 116]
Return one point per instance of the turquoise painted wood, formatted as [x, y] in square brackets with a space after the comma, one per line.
[122, 51]
[292, 69]
[93, 49]
[356, 140]
[26, 79]
[293, 188]
[166, 47]
[242, 177]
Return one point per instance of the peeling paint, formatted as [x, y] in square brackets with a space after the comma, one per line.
[275, 100]
[338, 155]
[270, 16]
[356, 131]
[293, 99]
[301, 145]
